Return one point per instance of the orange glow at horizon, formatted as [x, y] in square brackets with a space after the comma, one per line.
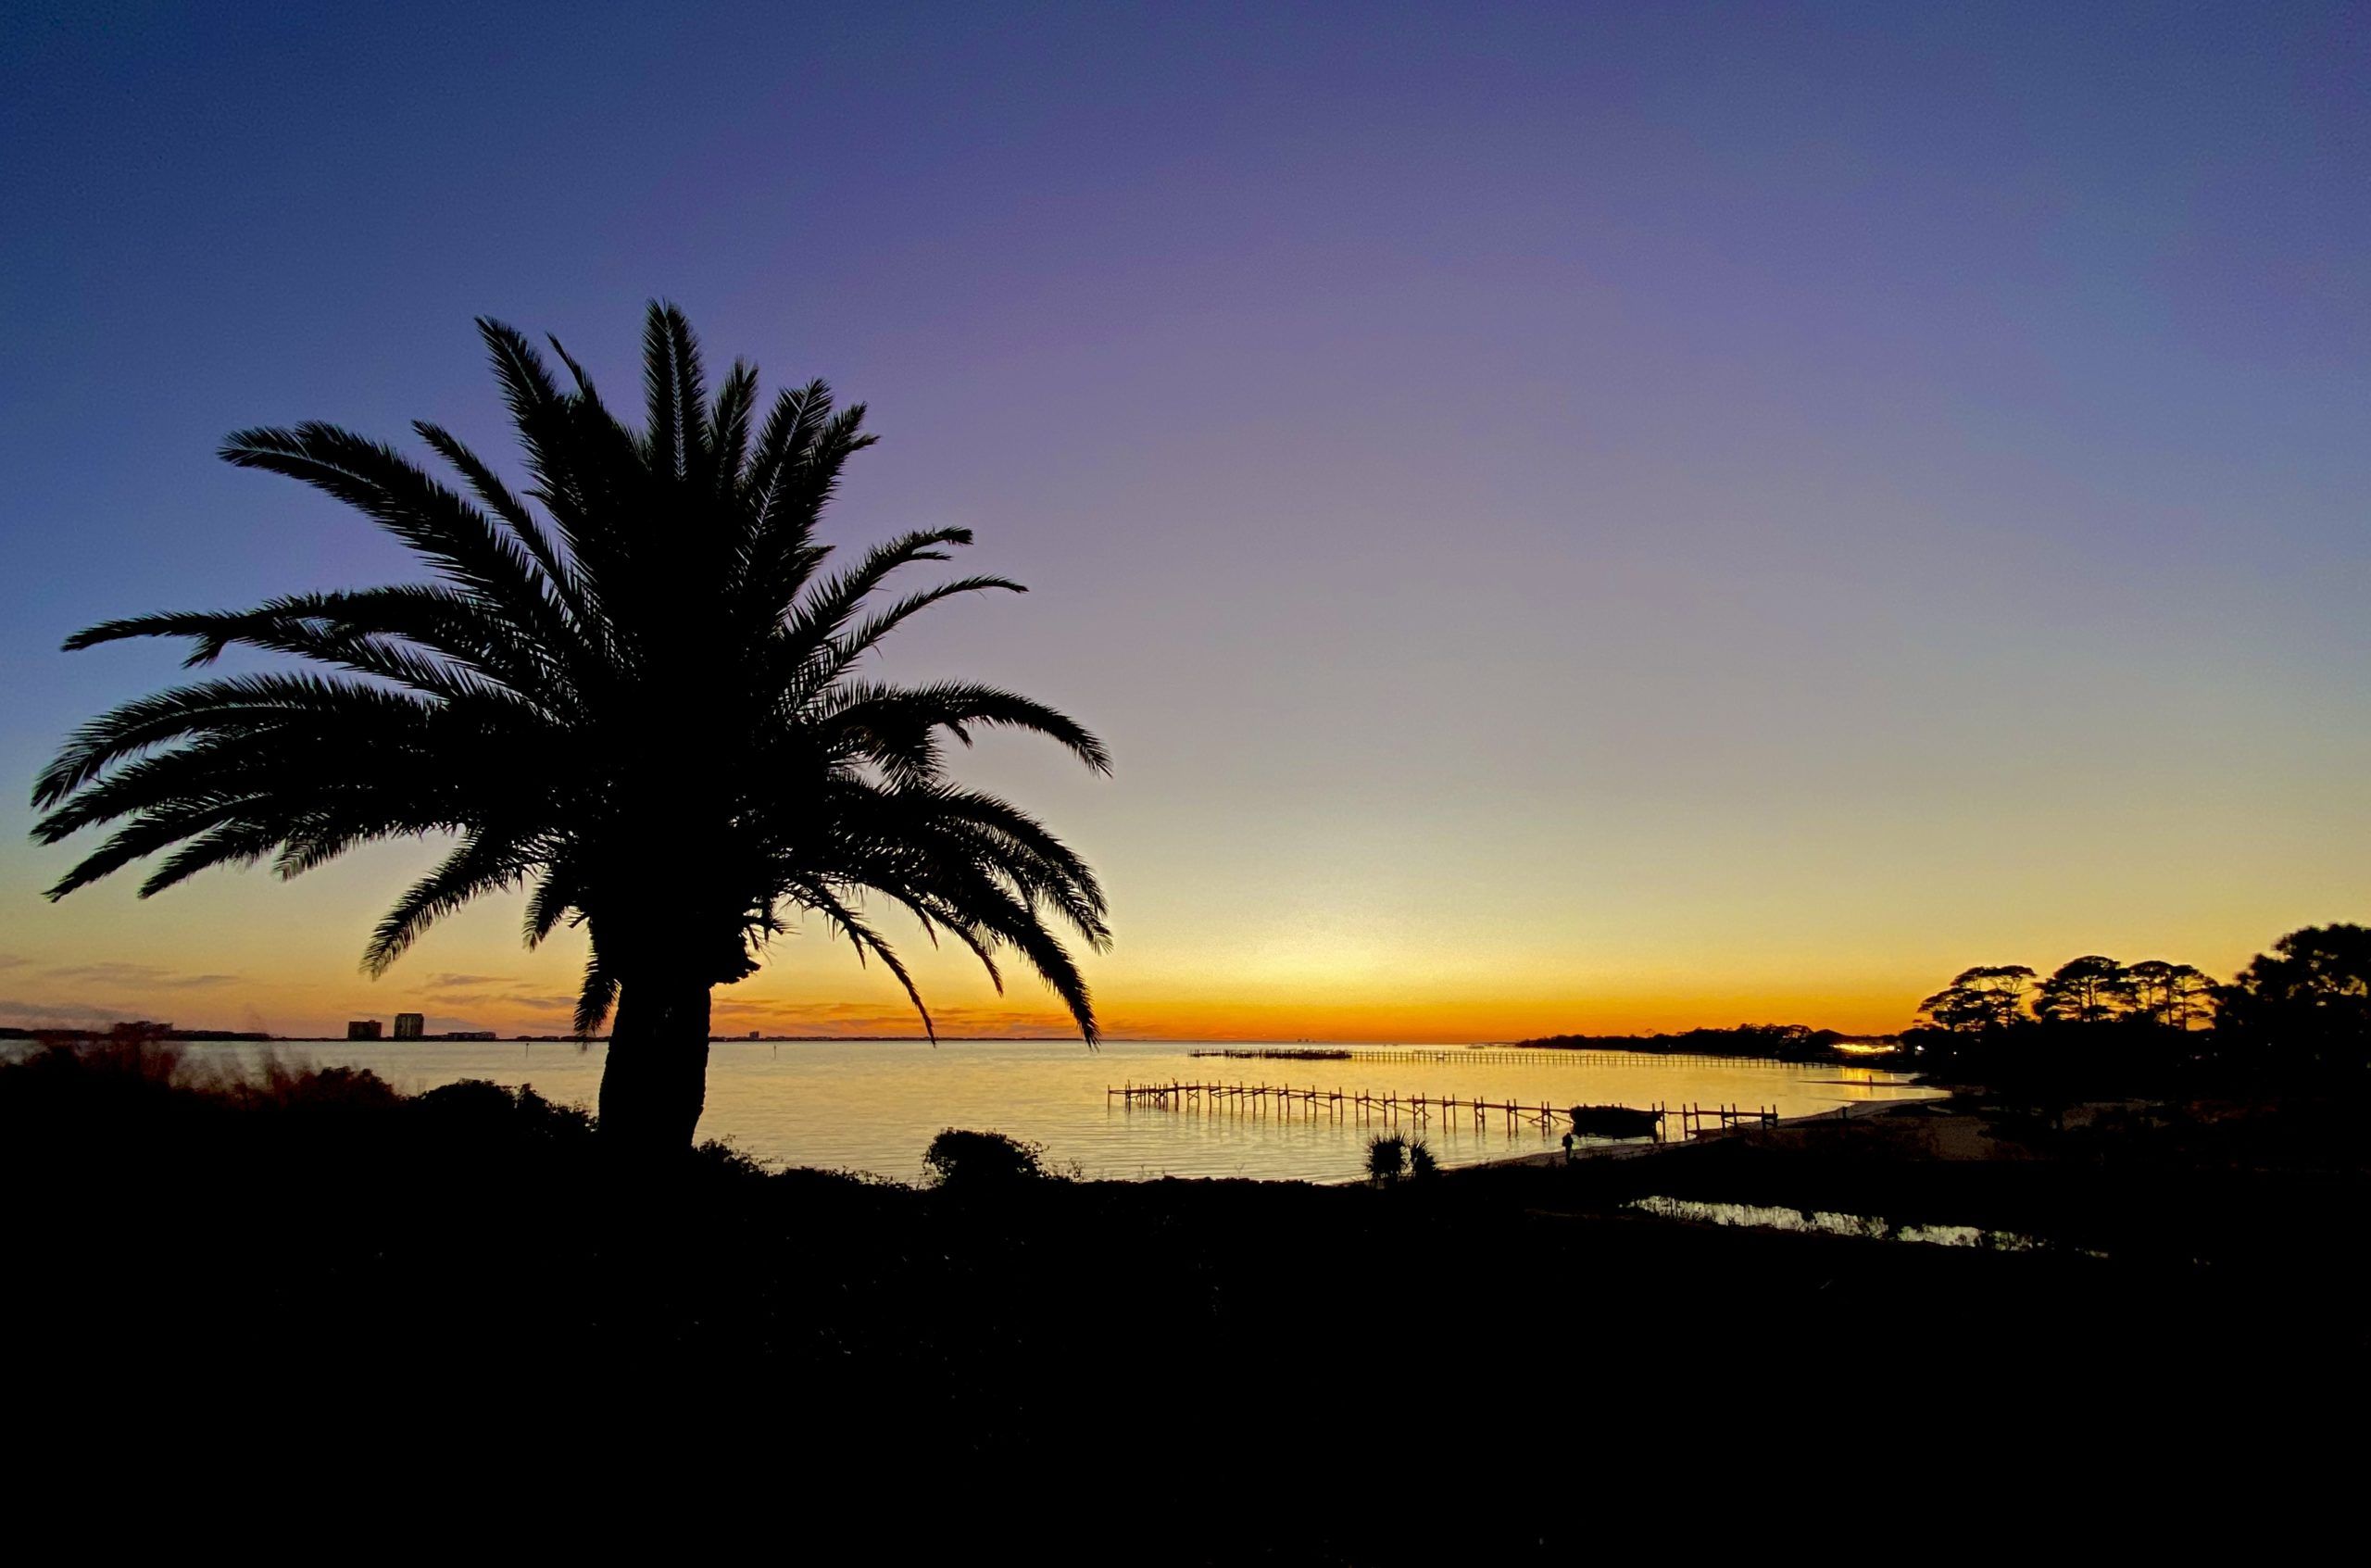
[248, 953]
[1320, 927]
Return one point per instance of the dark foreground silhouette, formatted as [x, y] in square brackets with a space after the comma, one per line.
[311, 1257]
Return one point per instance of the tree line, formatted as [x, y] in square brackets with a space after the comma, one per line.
[2303, 1010]
[2091, 989]
[1781, 1042]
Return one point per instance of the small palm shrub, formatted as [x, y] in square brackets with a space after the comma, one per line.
[1421, 1163]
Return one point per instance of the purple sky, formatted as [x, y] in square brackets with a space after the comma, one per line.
[1569, 516]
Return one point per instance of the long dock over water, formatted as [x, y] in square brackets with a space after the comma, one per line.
[1361, 1105]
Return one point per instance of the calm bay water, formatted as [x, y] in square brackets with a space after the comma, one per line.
[874, 1106]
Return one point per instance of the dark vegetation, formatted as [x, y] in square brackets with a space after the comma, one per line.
[1393, 1158]
[145, 1028]
[1773, 1041]
[309, 1251]
[2260, 1194]
[2297, 1017]
[967, 1162]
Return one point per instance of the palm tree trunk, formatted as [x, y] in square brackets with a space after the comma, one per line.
[654, 1084]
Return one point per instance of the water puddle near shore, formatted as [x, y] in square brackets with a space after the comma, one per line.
[1822, 1223]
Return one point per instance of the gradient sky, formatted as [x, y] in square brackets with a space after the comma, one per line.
[1569, 516]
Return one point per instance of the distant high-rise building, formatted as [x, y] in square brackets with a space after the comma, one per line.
[411, 1025]
[362, 1029]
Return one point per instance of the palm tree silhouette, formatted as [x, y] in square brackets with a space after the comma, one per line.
[646, 706]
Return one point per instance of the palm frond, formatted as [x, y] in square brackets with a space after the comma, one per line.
[863, 938]
[482, 863]
[560, 577]
[381, 483]
[241, 704]
[555, 895]
[852, 644]
[597, 999]
[430, 639]
[728, 428]
[888, 714]
[675, 441]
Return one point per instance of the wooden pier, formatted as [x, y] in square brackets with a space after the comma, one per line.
[1361, 1105]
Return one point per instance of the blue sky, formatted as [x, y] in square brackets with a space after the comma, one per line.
[1569, 516]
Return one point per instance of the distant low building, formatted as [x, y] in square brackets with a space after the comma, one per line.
[411, 1026]
[468, 1035]
[362, 1029]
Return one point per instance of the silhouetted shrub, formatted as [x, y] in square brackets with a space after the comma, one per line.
[969, 1162]
[1421, 1163]
[130, 1062]
[1387, 1158]
[476, 1106]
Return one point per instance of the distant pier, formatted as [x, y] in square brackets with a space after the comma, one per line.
[1282, 1100]
[1481, 1056]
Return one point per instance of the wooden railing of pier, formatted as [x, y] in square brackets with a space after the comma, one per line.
[1283, 1099]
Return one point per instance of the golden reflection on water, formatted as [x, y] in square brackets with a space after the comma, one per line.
[874, 1106]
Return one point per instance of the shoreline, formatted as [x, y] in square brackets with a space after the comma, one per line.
[1861, 1111]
